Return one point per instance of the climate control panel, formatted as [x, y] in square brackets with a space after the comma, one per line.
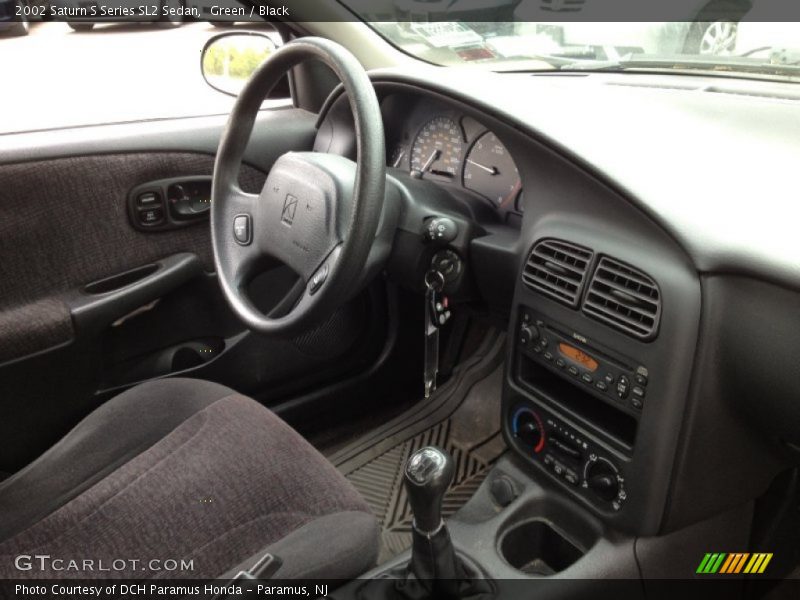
[568, 455]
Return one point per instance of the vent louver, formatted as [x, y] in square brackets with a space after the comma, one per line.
[625, 298]
[557, 269]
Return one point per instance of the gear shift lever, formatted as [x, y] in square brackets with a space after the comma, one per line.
[428, 474]
[434, 572]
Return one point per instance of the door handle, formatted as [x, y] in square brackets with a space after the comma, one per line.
[98, 304]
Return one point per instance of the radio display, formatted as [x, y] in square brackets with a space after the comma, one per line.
[579, 357]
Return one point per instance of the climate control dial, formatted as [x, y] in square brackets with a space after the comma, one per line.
[603, 478]
[528, 429]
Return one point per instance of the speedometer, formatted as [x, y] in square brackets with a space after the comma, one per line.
[491, 171]
[438, 147]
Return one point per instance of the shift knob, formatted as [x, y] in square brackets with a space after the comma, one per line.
[428, 474]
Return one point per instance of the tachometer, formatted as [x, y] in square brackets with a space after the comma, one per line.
[438, 147]
[490, 171]
[398, 154]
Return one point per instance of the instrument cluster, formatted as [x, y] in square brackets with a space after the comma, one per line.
[449, 148]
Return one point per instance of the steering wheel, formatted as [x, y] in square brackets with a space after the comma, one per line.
[317, 213]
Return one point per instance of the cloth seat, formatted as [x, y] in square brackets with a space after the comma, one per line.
[188, 471]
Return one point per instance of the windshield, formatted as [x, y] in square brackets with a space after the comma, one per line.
[729, 42]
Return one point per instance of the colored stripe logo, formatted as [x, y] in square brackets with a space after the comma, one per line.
[734, 563]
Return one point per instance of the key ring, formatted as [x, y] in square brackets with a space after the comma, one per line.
[434, 284]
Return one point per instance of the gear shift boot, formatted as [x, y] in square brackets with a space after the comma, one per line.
[433, 557]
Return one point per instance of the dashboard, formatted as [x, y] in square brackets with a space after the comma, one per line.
[637, 353]
[434, 142]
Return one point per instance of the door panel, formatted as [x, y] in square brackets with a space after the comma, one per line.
[64, 225]
[34, 326]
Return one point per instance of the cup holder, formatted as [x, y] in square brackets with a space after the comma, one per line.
[535, 547]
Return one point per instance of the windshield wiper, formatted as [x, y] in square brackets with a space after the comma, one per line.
[778, 55]
[558, 60]
[717, 64]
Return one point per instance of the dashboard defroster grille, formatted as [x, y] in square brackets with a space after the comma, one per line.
[560, 6]
[557, 269]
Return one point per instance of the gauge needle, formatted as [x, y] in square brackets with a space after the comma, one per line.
[491, 170]
[399, 158]
[511, 196]
[434, 157]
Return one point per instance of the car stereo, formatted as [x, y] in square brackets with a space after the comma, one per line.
[611, 378]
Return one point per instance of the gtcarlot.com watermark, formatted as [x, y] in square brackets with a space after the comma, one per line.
[46, 563]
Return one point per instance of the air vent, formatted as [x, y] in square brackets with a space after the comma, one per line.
[557, 269]
[625, 298]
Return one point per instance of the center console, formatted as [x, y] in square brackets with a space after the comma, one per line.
[592, 400]
[592, 383]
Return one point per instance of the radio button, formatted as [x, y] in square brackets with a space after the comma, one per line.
[636, 403]
[587, 378]
[548, 357]
[640, 379]
[638, 392]
[623, 387]
[527, 334]
[609, 378]
[561, 363]
[573, 371]
[601, 385]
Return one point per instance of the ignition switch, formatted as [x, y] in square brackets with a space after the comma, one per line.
[448, 263]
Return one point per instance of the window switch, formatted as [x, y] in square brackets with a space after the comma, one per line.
[151, 216]
[148, 199]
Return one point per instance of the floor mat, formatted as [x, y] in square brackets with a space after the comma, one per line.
[466, 424]
[330, 441]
